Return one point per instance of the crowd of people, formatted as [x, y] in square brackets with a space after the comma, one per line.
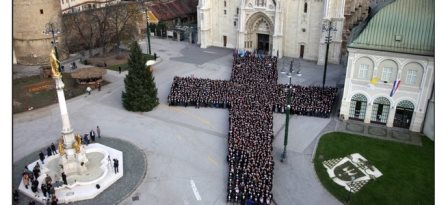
[252, 95]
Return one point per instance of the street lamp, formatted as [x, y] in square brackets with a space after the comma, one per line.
[350, 192]
[327, 27]
[50, 28]
[289, 90]
[147, 26]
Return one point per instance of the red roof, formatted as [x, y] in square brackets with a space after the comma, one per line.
[172, 9]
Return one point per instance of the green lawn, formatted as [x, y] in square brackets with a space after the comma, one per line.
[408, 170]
[23, 98]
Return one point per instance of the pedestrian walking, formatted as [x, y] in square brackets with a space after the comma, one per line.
[116, 166]
[64, 178]
[119, 69]
[98, 131]
[49, 151]
[53, 149]
[92, 135]
[98, 84]
[41, 157]
[88, 89]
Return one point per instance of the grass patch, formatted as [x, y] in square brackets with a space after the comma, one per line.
[408, 170]
[23, 98]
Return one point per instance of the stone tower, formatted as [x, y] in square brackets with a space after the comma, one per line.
[31, 45]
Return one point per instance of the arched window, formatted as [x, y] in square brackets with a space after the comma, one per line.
[380, 110]
[358, 107]
[225, 3]
[305, 9]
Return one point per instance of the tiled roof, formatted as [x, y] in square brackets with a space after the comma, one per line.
[404, 26]
[172, 9]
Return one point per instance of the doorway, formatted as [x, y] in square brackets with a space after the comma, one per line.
[302, 50]
[263, 43]
[403, 114]
[224, 38]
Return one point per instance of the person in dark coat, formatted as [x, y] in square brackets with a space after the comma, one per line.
[50, 189]
[53, 148]
[41, 157]
[15, 195]
[48, 151]
[98, 131]
[92, 135]
[43, 187]
[64, 177]
[54, 200]
[116, 166]
[86, 139]
[119, 69]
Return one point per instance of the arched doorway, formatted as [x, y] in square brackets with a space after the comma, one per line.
[403, 114]
[259, 30]
[358, 107]
[380, 110]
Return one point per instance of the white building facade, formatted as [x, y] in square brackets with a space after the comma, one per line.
[384, 54]
[70, 6]
[279, 27]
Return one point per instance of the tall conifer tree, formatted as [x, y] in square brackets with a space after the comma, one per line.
[140, 93]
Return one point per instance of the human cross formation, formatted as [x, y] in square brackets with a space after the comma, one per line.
[252, 95]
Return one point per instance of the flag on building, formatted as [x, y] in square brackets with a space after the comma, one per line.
[395, 87]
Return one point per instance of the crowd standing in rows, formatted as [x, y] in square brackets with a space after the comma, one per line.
[252, 95]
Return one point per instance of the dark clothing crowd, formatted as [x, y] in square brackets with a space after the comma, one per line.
[252, 95]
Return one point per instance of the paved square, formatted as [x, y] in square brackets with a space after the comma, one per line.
[186, 144]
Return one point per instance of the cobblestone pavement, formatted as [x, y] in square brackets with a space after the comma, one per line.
[185, 148]
[134, 172]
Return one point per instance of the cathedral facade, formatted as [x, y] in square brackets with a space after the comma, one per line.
[290, 28]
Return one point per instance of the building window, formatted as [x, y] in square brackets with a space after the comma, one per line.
[225, 12]
[234, 23]
[225, 3]
[411, 77]
[305, 9]
[62, 1]
[237, 10]
[363, 71]
[41, 11]
[387, 74]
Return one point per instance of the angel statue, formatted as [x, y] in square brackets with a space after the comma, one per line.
[54, 62]
[61, 147]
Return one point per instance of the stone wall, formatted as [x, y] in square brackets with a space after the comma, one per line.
[30, 18]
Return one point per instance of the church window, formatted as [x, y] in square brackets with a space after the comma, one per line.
[225, 12]
[411, 77]
[41, 11]
[225, 3]
[363, 71]
[387, 74]
[237, 10]
[305, 9]
[234, 23]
